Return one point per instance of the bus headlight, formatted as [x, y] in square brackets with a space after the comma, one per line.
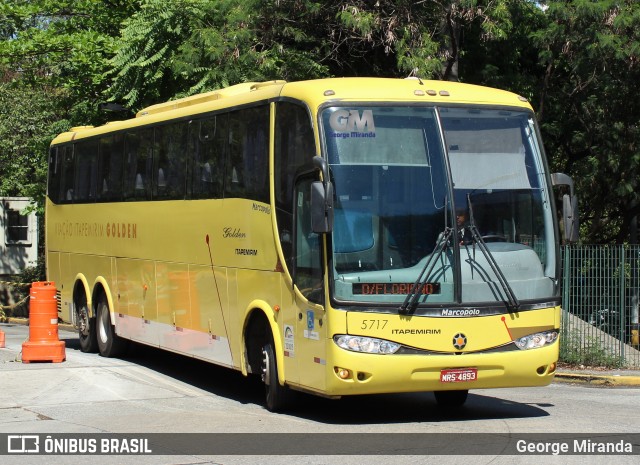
[537, 340]
[369, 345]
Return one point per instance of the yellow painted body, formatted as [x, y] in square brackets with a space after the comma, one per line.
[186, 274]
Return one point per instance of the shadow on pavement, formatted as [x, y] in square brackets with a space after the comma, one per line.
[368, 409]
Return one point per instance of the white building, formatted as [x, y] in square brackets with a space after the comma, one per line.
[18, 236]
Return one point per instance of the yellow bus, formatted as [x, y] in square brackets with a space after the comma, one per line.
[337, 237]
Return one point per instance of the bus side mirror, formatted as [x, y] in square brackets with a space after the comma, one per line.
[322, 200]
[570, 222]
[570, 218]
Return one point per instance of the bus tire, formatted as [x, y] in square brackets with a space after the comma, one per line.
[86, 329]
[109, 343]
[451, 399]
[277, 397]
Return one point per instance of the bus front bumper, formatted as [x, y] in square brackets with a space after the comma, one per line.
[353, 373]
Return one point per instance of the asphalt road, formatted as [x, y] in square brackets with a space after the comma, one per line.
[149, 391]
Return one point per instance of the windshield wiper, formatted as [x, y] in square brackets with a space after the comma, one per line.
[511, 299]
[416, 289]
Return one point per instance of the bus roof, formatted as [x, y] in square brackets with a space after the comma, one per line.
[314, 93]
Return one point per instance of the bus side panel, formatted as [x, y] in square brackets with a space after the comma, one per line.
[172, 294]
[210, 339]
[136, 289]
[233, 315]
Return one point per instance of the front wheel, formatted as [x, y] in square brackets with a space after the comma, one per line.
[109, 343]
[277, 397]
[451, 399]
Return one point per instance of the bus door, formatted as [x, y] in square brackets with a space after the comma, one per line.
[311, 332]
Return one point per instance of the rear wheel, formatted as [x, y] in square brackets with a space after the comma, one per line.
[451, 399]
[277, 397]
[109, 343]
[86, 328]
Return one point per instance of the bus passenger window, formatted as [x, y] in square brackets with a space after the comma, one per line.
[208, 140]
[86, 171]
[110, 168]
[138, 164]
[68, 178]
[248, 169]
[169, 161]
[55, 165]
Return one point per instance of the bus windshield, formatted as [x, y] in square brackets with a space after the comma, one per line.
[412, 184]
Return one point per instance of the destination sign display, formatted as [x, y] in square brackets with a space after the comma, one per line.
[394, 288]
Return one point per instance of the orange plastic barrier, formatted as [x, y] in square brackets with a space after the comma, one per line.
[43, 344]
[2, 339]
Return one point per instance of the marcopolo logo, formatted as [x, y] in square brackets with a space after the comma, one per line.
[352, 121]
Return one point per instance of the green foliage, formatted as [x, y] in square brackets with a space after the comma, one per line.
[181, 48]
[578, 62]
[65, 43]
[575, 349]
[424, 38]
[24, 139]
[590, 110]
[53, 57]
[190, 46]
[31, 274]
[507, 61]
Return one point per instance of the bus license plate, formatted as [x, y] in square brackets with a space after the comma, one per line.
[459, 375]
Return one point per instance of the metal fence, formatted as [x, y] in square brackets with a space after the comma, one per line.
[601, 286]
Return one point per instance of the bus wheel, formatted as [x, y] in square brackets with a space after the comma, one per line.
[276, 395]
[451, 399]
[110, 344]
[86, 329]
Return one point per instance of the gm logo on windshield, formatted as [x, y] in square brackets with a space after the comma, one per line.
[352, 121]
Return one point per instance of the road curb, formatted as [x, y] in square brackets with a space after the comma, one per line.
[599, 380]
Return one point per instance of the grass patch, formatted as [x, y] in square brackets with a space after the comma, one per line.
[576, 349]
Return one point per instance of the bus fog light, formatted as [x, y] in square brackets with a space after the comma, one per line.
[369, 345]
[343, 373]
[537, 340]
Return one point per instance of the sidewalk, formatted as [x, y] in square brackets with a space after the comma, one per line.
[595, 377]
[598, 377]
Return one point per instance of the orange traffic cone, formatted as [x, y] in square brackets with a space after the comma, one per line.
[2, 339]
[43, 344]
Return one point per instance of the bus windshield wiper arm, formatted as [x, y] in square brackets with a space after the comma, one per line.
[416, 289]
[511, 299]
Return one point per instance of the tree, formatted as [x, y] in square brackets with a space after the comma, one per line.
[589, 108]
[62, 44]
[426, 38]
[53, 58]
[180, 48]
[24, 139]
[510, 61]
